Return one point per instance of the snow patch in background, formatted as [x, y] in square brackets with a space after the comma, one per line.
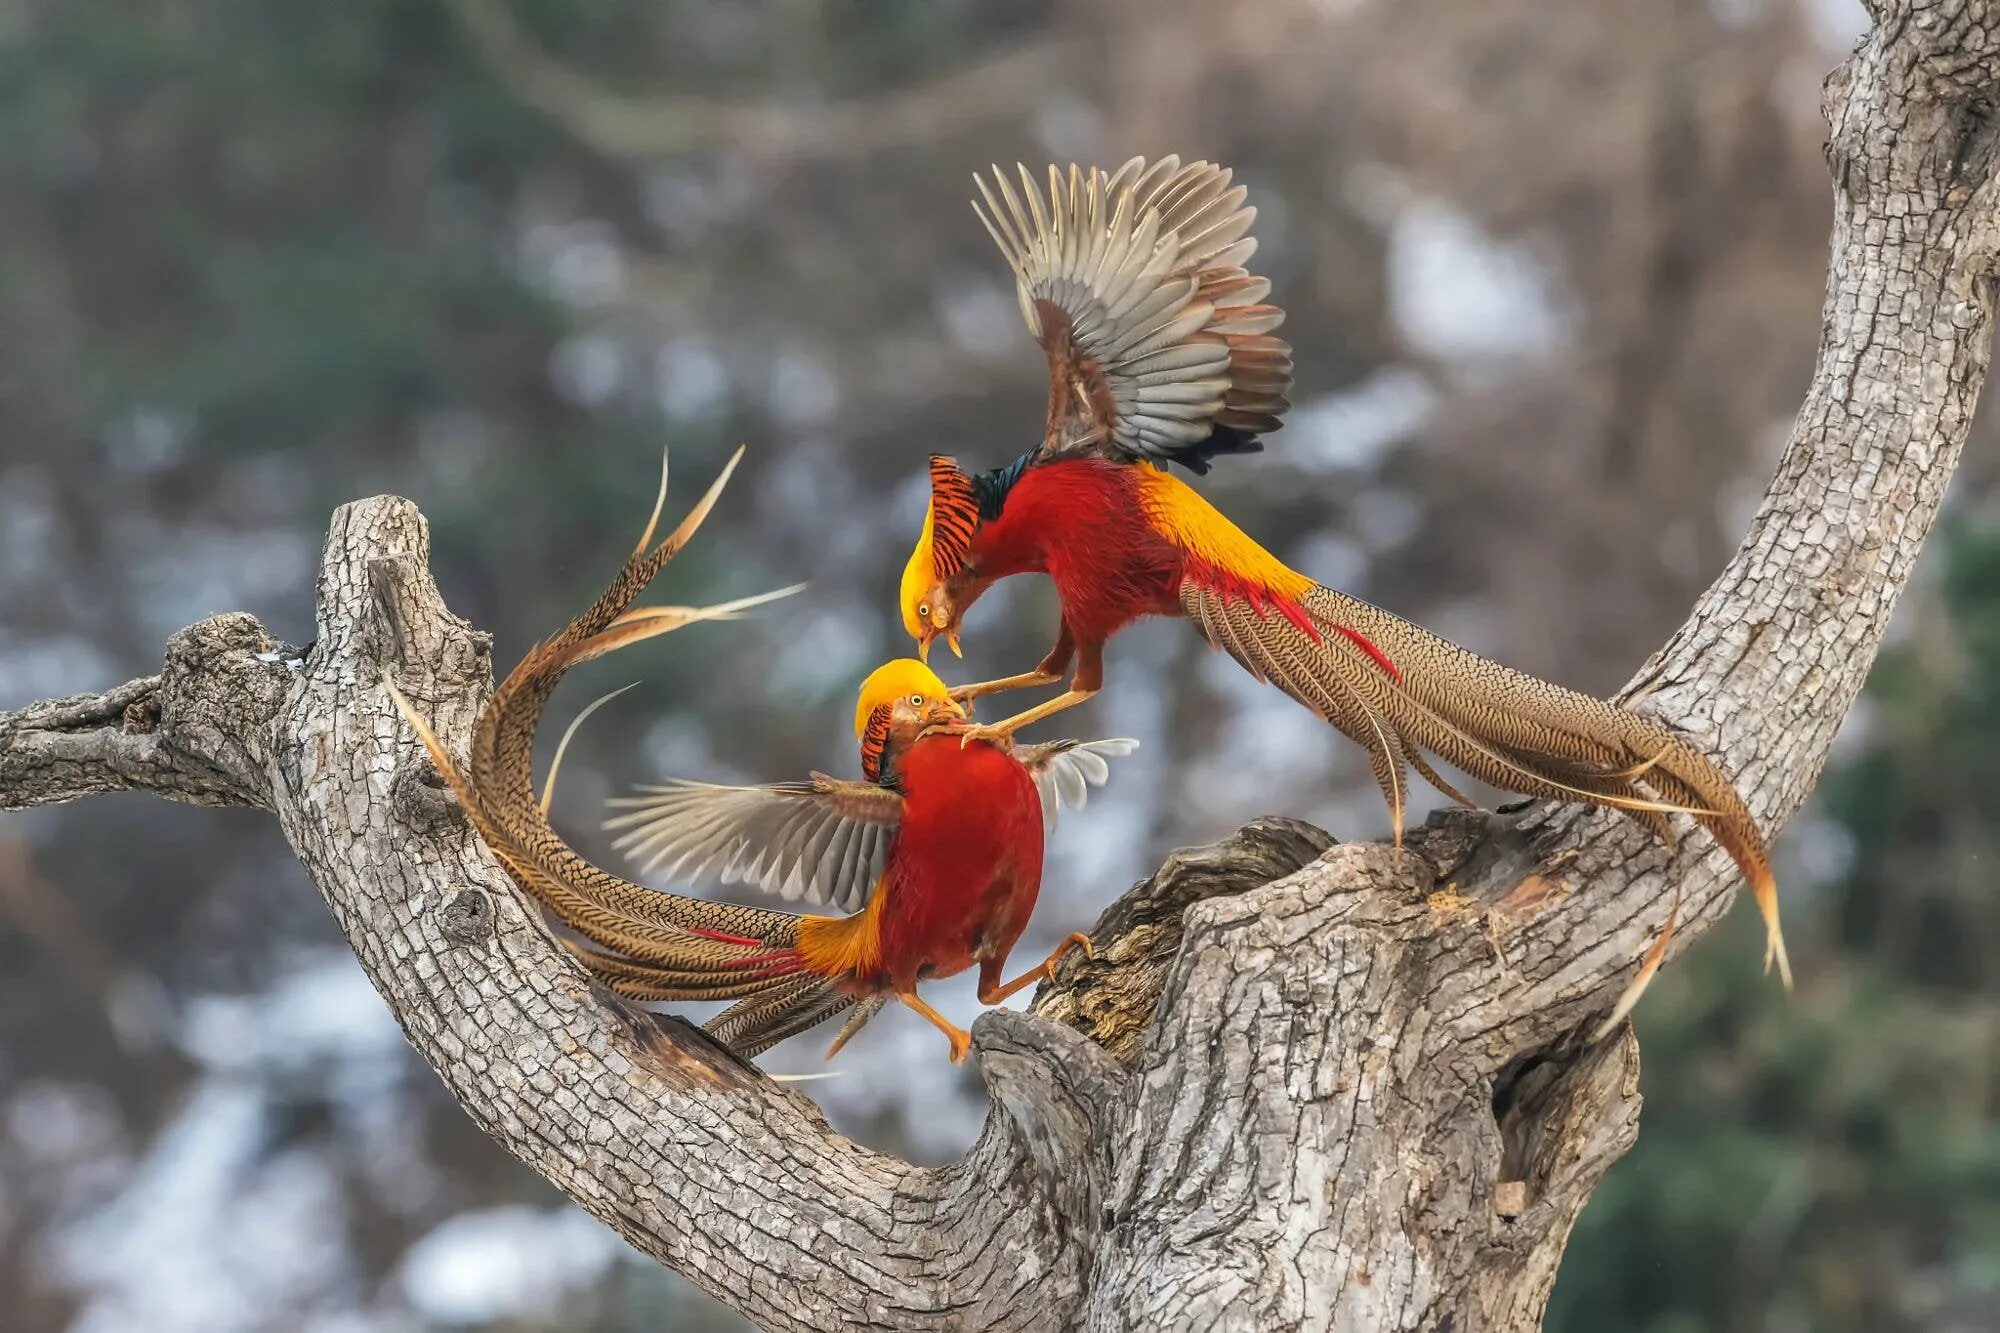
[803, 388]
[321, 1015]
[231, 1217]
[213, 1232]
[588, 370]
[579, 263]
[51, 668]
[1836, 24]
[148, 440]
[1355, 429]
[505, 1263]
[186, 573]
[1070, 128]
[1268, 750]
[1459, 294]
[690, 381]
[826, 649]
[979, 314]
[1334, 559]
[1385, 518]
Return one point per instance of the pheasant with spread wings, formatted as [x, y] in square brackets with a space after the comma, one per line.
[935, 855]
[1161, 351]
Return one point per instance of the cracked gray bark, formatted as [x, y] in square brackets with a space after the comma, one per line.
[1302, 1086]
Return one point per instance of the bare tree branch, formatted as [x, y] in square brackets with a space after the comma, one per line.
[626, 126]
[1302, 1086]
[60, 749]
[1428, 1124]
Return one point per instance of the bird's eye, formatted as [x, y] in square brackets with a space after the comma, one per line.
[917, 699]
[925, 610]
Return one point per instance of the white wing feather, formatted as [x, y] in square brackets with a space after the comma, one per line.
[1146, 264]
[1065, 771]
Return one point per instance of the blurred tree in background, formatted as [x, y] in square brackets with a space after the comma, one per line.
[1835, 1163]
[1553, 278]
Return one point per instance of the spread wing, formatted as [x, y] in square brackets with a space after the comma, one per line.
[824, 841]
[1065, 771]
[1159, 341]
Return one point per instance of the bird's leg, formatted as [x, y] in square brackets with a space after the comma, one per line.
[965, 694]
[993, 991]
[1047, 673]
[961, 1040]
[1005, 729]
[1088, 680]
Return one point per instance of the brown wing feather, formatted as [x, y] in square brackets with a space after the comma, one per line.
[824, 841]
[1159, 342]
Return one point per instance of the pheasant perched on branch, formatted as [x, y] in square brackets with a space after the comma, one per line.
[938, 853]
[1161, 351]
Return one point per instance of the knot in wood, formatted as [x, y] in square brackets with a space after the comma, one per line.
[467, 918]
[142, 716]
[421, 798]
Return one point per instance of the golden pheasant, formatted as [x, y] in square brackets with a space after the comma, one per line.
[940, 850]
[1160, 350]
[936, 854]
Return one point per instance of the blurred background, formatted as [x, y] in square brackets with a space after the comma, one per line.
[1554, 276]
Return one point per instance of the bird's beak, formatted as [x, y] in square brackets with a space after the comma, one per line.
[924, 645]
[951, 638]
[943, 712]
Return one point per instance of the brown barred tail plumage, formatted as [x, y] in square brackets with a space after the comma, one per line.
[752, 1026]
[644, 944]
[1499, 725]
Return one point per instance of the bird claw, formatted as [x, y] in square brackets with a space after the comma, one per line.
[993, 735]
[961, 1045]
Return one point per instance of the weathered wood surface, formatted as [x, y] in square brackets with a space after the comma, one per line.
[1330, 1088]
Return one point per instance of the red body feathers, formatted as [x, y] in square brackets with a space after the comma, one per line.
[1079, 522]
[966, 864]
[1118, 540]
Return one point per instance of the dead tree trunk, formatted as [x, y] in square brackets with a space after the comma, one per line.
[1302, 1087]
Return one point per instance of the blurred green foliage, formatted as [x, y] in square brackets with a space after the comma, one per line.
[1833, 1162]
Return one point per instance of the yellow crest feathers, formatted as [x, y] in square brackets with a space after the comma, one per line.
[918, 576]
[892, 681]
[950, 523]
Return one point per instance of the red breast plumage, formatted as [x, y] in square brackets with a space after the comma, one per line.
[1161, 351]
[934, 859]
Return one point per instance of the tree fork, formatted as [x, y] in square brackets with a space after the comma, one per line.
[1302, 1086]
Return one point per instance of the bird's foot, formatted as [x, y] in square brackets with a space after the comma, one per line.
[1075, 940]
[999, 734]
[961, 1044]
[1042, 971]
[961, 1040]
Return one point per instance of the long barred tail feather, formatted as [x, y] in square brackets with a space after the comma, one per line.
[644, 944]
[1499, 725]
[751, 1027]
